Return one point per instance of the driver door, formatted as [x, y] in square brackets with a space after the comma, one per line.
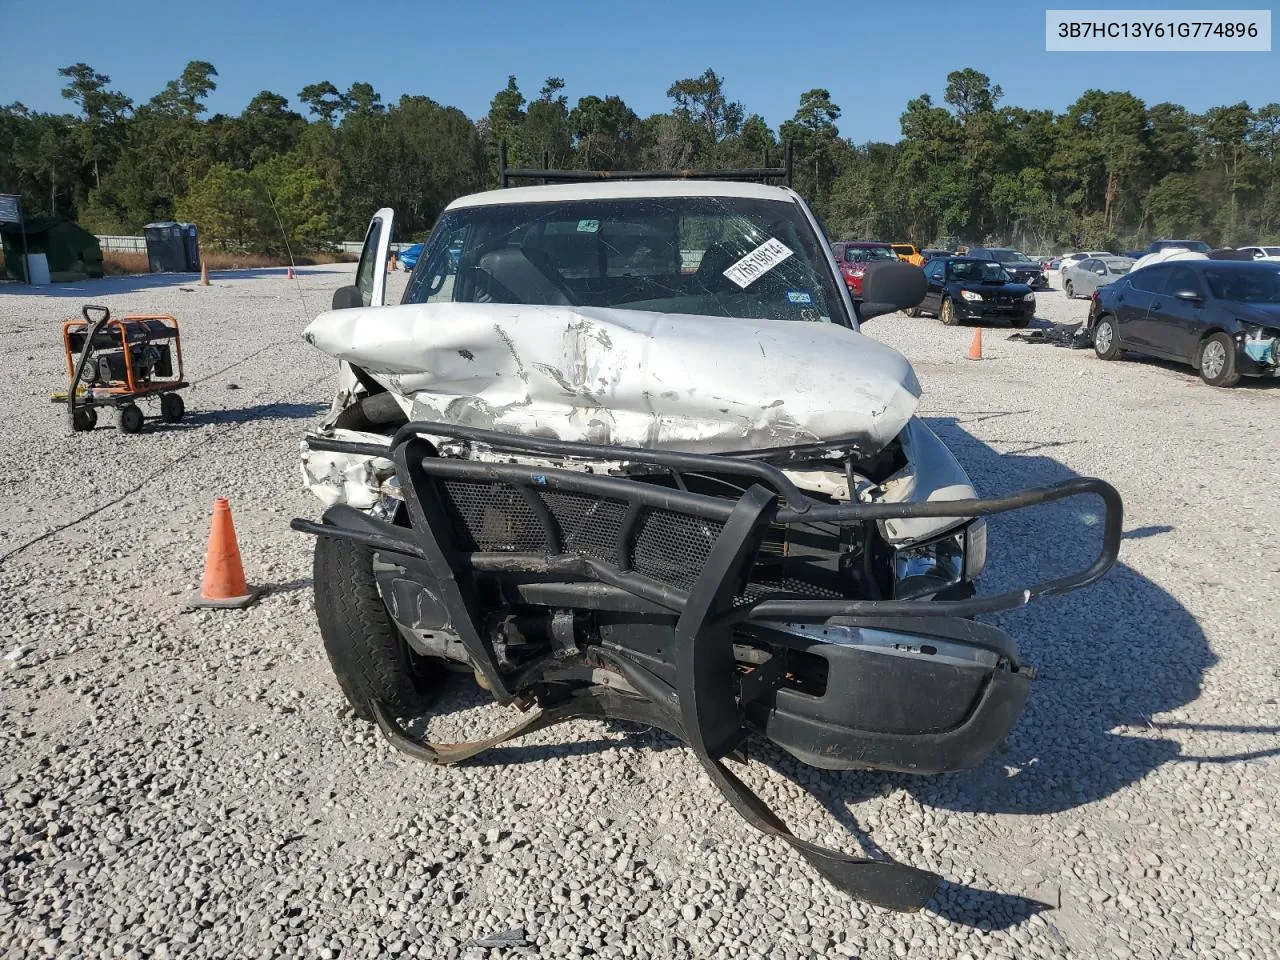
[935, 276]
[370, 288]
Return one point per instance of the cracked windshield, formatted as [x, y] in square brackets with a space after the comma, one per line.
[705, 256]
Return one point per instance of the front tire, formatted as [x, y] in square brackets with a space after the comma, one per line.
[129, 418]
[84, 418]
[1106, 342]
[172, 408]
[913, 312]
[370, 659]
[1218, 361]
[1066, 288]
[947, 312]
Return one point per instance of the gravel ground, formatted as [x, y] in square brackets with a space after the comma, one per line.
[189, 784]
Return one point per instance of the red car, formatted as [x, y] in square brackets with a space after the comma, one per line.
[853, 257]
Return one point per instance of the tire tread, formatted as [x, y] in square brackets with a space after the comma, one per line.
[369, 658]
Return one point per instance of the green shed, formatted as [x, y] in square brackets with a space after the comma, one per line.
[72, 251]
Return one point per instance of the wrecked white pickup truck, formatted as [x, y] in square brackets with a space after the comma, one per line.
[622, 452]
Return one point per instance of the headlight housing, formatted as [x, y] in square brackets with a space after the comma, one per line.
[970, 296]
[932, 566]
[1030, 298]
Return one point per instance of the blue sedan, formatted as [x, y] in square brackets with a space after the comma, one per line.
[408, 257]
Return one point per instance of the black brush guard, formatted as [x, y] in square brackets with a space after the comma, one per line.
[618, 543]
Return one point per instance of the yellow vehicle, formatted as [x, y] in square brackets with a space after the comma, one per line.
[908, 253]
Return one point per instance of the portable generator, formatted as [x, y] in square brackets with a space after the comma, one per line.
[118, 362]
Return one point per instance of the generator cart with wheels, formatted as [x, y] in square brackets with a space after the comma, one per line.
[116, 362]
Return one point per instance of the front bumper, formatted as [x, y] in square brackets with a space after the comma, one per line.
[913, 696]
[1248, 367]
[1266, 363]
[988, 309]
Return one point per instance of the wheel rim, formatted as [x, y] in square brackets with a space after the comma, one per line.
[1102, 337]
[1213, 359]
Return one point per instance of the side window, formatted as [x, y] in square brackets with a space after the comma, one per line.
[435, 276]
[1184, 278]
[1087, 264]
[933, 269]
[1151, 280]
[365, 269]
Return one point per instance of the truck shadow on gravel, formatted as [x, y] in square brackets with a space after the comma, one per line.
[262, 411]
[1108, 657]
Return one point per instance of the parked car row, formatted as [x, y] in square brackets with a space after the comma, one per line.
[1216, 310]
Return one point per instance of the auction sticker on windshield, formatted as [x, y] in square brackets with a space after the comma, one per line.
[758, 262]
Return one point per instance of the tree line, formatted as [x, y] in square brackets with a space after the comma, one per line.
[1109, 172]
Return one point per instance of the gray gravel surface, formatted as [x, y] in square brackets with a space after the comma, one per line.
[189, 784]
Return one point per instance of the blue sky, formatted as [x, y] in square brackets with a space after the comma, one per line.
[872, 56]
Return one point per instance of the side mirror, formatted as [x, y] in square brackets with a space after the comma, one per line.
[890, 285]
[1102, 272]
[1190, 296]
[346, 298]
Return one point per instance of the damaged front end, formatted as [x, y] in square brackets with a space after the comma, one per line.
[606, 486]
[707, 595]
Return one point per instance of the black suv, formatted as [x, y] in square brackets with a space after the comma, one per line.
[1018, 265]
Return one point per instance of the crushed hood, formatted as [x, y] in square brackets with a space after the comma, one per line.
[627, 377]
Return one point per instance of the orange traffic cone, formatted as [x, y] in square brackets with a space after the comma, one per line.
[975, 348]
[204, 274]
[289, 276]
[224, 584]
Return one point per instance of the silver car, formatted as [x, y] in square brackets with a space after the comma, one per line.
[1083, 277]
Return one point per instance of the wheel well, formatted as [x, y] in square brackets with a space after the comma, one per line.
[1195, 356]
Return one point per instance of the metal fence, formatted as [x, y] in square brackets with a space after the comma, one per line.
[123, 244]
[139, 245]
